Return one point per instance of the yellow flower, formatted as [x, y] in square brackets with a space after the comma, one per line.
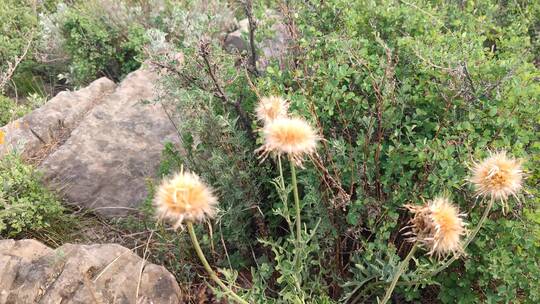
[2, 137]
[497, 176]
[271, 108]
[438, 225]
[184, 197]
[291, 136]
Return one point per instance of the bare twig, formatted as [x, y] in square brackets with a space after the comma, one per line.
[90, 289]
[293, 32]
[248, 7]
[204, 52]
[113, 261]
[6, 76]
[341, 197]
[251, 85]
[144, 258]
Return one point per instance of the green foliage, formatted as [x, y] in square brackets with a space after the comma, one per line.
[223, 157]
[25, 204]
[10, 110]
[18, 23]
[18, 31]
[97, 45]
[406, 95]
[503, 267]
[405, 106]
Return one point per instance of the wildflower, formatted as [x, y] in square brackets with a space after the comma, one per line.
[271, 108]
[184, 197]
[497, 176]
[292, 136]
[2, 137]
[438, 225]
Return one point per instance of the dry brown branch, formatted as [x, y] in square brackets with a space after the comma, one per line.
[248, 8]
[210, 68]
[5, 77]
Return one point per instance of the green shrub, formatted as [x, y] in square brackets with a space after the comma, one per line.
[25, 204]
[18, 32]
[406, 96]
[94, 38]
[18, 23]
[10, 110]
[98, 49]
[502, 267]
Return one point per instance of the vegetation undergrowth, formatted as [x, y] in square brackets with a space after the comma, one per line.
[25, 204]
[404, 96]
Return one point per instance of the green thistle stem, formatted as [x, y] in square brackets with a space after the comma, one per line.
[298, 220]
[402, 266]
[207, 267]
[296, 203]
[285, 200]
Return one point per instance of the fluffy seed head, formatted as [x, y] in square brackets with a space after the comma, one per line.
[497, 177]
[184, 197]
[291, 136]
[271, 108]
[438, 225]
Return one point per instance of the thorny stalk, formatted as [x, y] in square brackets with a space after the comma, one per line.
[209, 269]
[402, 266]
[297, 219]
[285, 202]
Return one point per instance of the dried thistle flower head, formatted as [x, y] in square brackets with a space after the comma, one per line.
[291, 136]
[438, 225]
[497, 177]
[184, 197]
[271, 108]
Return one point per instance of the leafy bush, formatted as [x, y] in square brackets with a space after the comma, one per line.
[502, 267]
[406, 96]
[18, 24]
[9, 110]
[95, 38]
[17, 35]
[25, 204]
[98, 47]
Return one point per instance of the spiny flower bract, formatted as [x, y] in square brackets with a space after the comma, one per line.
[438, 225]
[497, 177]
[291, 136]
[271, 108]
[184, 197]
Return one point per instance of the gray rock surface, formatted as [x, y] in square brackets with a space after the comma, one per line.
[57, 117]
[234, 41]
[109, 273]
[105, 163]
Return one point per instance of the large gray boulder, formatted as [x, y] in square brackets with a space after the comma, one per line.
[73, 274]
[45, 127]
[107, 161]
